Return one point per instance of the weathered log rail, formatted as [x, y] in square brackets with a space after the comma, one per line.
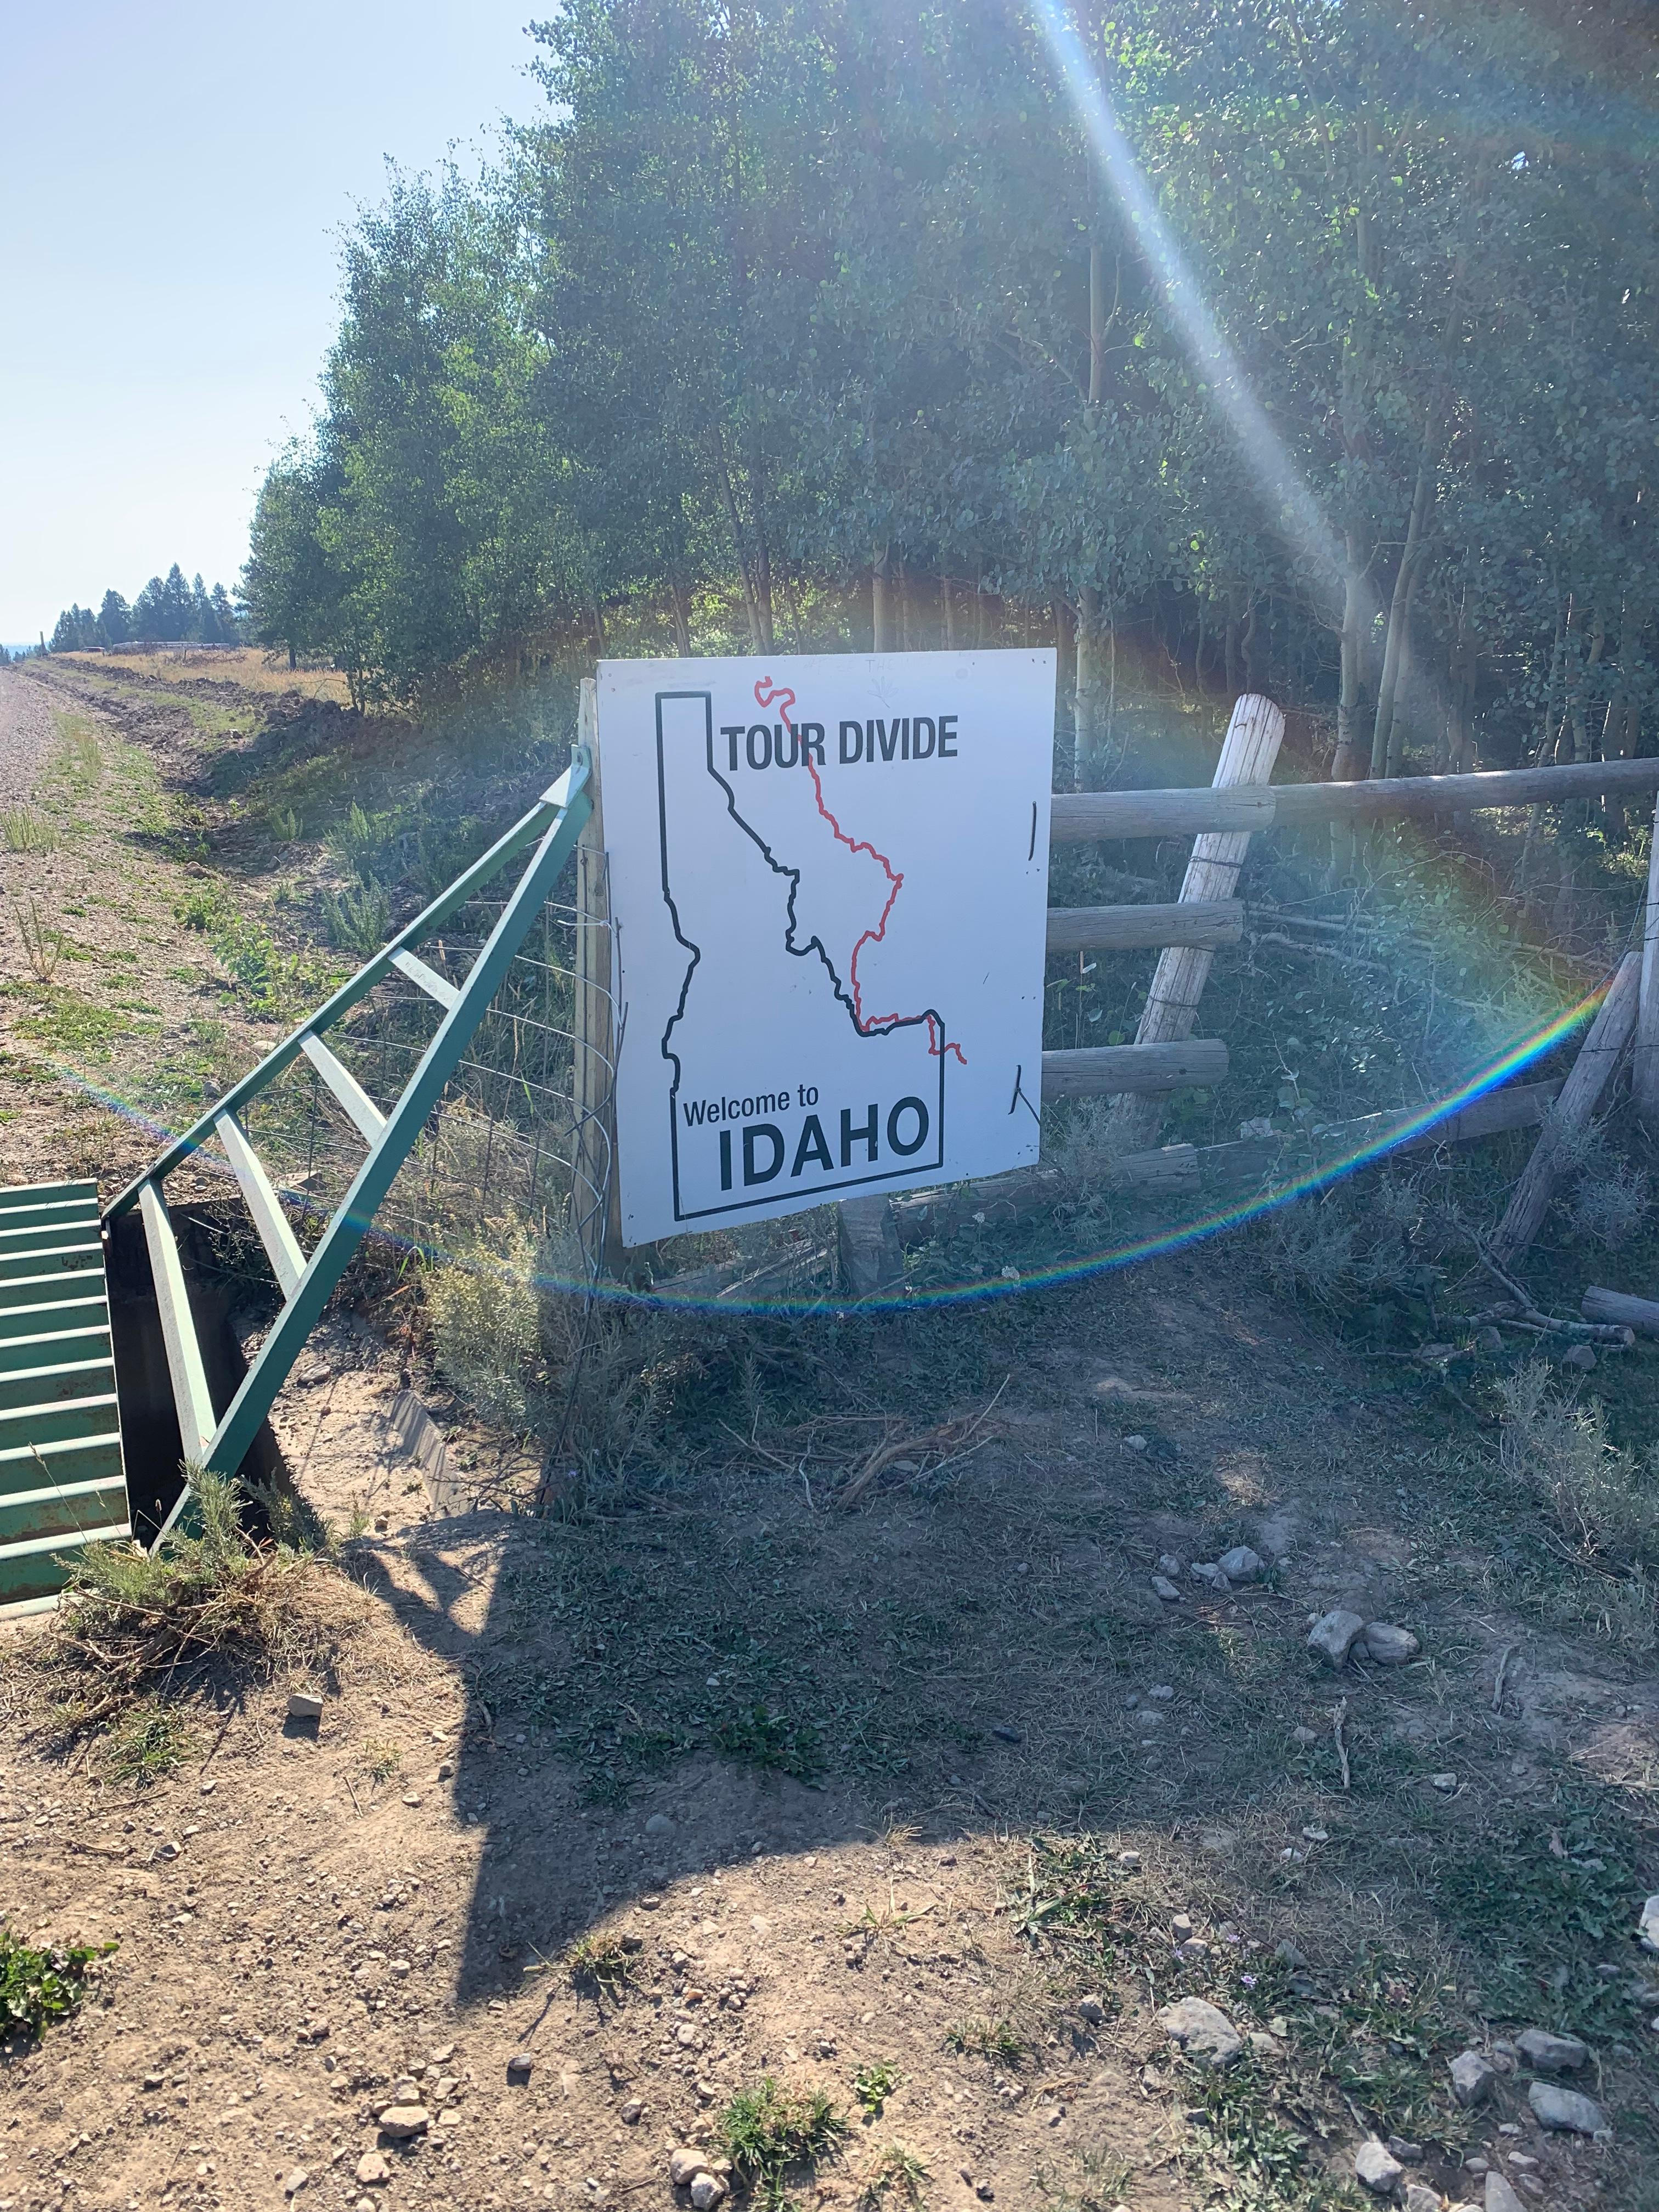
[1085, 817]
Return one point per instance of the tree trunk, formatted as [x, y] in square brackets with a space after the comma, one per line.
[1385, 745]
[681, 599]
[1090, 717]
[1347, 763]
[881, 602]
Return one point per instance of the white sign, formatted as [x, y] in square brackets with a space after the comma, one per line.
[830, 878]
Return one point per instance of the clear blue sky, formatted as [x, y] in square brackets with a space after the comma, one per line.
[174, 182]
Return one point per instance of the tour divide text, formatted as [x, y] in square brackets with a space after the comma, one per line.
[783, 1136]
[785, 745]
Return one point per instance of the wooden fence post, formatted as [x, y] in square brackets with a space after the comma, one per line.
[1644, 1083]
[1598, 1056]
[594, 1194]
[1248, 755]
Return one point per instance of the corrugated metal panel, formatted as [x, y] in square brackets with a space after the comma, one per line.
[61, 1482]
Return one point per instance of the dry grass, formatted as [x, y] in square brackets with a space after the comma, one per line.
[136, 1626]
[249, 666]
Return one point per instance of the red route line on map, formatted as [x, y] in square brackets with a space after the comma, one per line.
[767, 694]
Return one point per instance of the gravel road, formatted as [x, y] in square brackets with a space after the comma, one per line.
[27, 732]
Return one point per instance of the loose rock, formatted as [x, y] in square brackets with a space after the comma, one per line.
[1241, 1565]
[1334, 1634]
[1168, 1563]
[632, 2112]
[297, 2180]
[1419, 2197]
[371, 2167]
[684, 2166]
[1446, 1783]
[1386, 1645]
[707, 2190]
[1163, 1588]
[1566, 2112]
[1201, 2032]
[401, 2122]
[1648, 1927]
[1581, 1357]
[1552, 2054]
[1488, 1340]
[304, 1705]
[519, 2066]
[1377, 2167]
[659, 1825]
[1091, 2009]
[1500, 2197]
[1472, 2074]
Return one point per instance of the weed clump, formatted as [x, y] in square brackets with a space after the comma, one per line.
[485, 1315]
[1605, 1503]
[600, 1965]
[42, 1985]
[147, 1743]
[769, 2131]
[143, 1624]
[898, 2176]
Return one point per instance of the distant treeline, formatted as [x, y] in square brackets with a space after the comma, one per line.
[1307, 347]
[167, 610]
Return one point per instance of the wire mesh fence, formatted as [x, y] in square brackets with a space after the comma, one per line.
[521, 1131]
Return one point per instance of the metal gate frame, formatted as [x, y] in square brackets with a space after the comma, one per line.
[220, 1444]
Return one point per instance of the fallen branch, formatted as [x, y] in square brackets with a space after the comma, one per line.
[1338, 1714]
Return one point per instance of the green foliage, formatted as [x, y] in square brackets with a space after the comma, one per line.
[765, 1739]
[147, 1743]
[874, 2084]
[997, 2040]
[485, 1315]
[41, 1986]
[898, 2176]
[600, 1965]
[358, 921]
[273, 983]
[770, 2131]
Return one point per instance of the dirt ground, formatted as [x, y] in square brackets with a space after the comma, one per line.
[714, 1779]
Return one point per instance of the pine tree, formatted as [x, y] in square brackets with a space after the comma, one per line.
[114, 620]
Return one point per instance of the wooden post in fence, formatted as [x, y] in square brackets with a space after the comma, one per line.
[1248, 755]
[1598, 1056]
[1644, 1085]
[594, 1194]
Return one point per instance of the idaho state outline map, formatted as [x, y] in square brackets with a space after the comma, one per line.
[812, 1147]
[828, 882]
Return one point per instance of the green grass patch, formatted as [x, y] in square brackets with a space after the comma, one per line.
[65, 1022]
[147, 1743]
[762, 1738]
[771, 2132]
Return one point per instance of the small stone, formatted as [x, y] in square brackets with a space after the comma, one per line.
[1181, 1926]
[400, 2121]
[1304, 1736]
[1168, 1563]
[1419, 2197]
[707, 2190]
[1130, 1862]
[1552, 2054]
[1201, 2031]
[1163, 1692]
[1405, 2151]
[683, 2166]
[1488, 1340]
[1241, 1565]
[445, 1770]
[304, 1705]
[1385, 1645]
[659, 1825]
[1648, 1926]
[1446, 1783]
[297, 2180]
[1134, 1443]
[411, 1796]
[519, 2066]
[633, 2111]
[1208, 1570]
[1333, 1636]
[1163, 1588]
[1091, 2009]
[442, 2055]
[1472, 2076]
[208, 1787]
[1377, 2167]
[1287, 1953]
[1500, 2197]
[373, 2168]
[1004, 1734]
[1580, 1357]
[1565, 2111]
